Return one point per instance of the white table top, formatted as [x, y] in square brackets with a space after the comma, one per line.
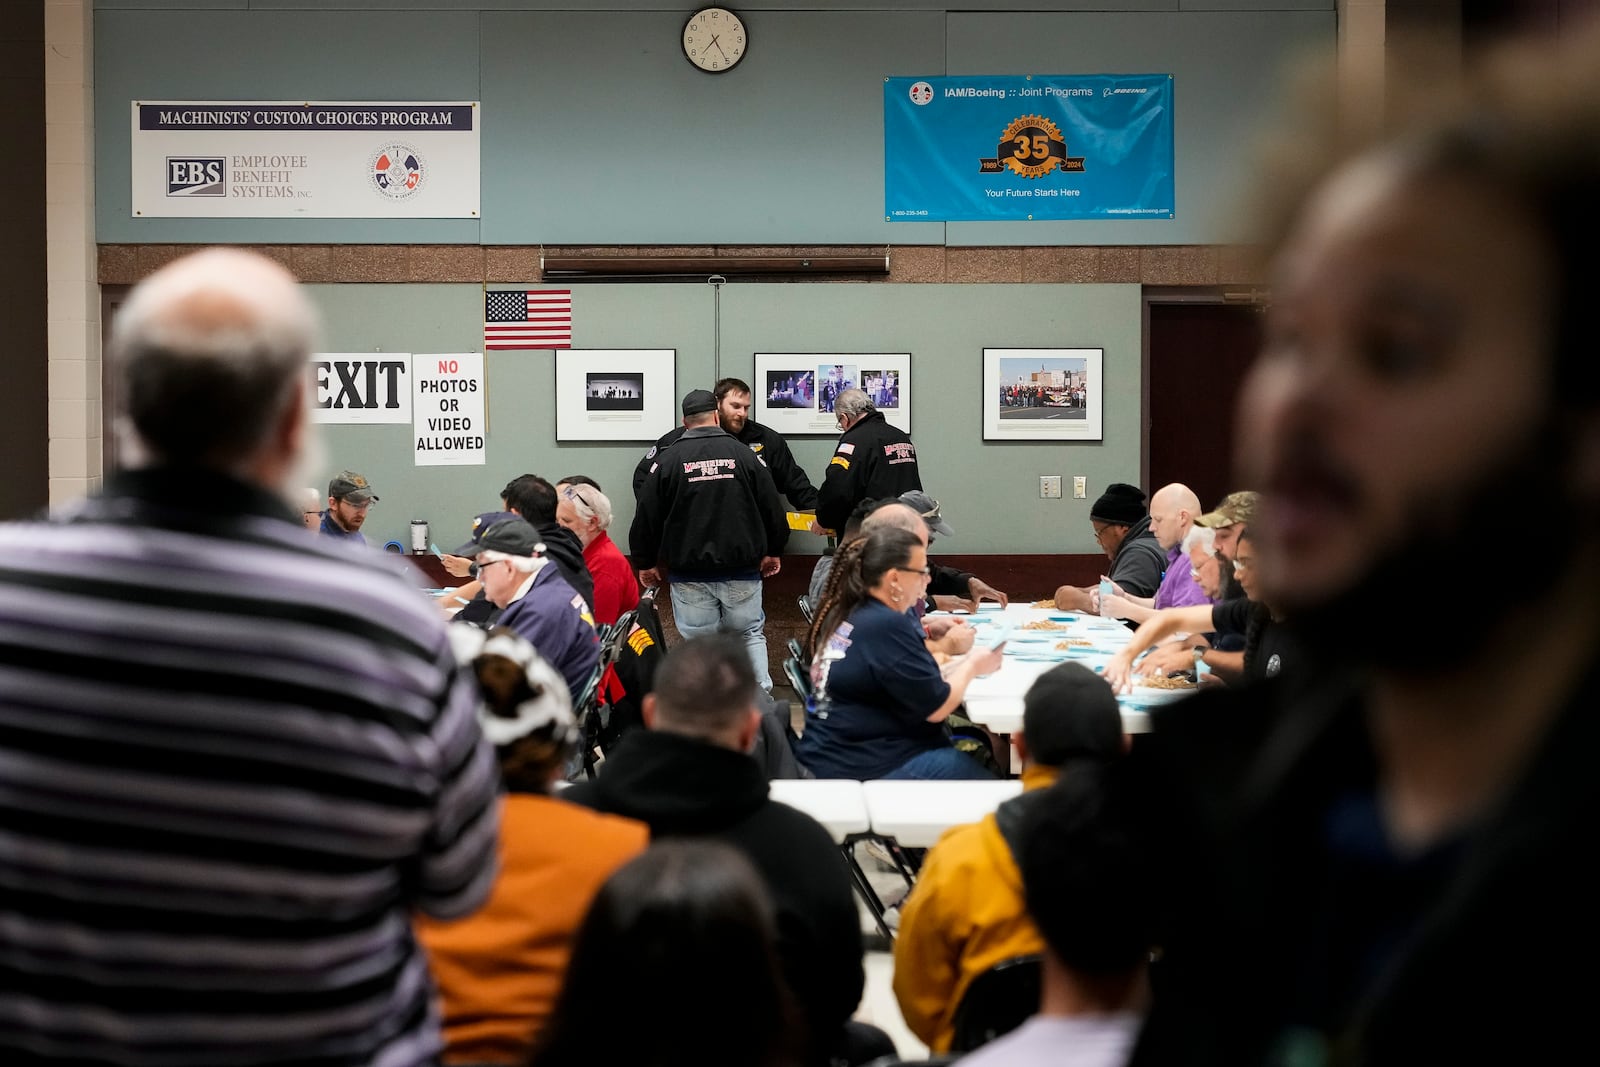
[995, 701]
[917, 813]
[838, 804]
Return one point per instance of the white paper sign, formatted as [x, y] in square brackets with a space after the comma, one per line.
[447, 407]
[290, 159]
[361, 387]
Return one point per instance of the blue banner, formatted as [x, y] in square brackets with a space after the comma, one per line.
[1092, 146]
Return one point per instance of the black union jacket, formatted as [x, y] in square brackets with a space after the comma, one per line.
[765, 442]
[685, 787]
[708, 509]
[873, 461]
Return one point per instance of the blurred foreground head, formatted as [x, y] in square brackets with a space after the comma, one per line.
[1426, 393]
[211, 351]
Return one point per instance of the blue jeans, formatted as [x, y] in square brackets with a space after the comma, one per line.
[941, 764]
[703, 608]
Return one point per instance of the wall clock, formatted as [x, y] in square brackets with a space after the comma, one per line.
[715, 39]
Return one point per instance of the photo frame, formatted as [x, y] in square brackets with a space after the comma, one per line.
[793, 391]
[615, 394]
[1043, 394]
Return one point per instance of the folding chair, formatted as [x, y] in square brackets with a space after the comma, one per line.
[798, 678]
[796, 650]
[997, 1002]
[805, 608]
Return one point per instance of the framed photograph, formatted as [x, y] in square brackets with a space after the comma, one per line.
[1042, 394]
[795, 391]
[615, 394]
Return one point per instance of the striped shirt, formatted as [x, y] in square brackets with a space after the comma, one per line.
[234, 758]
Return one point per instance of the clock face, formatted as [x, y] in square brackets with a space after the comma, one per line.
[715, 39]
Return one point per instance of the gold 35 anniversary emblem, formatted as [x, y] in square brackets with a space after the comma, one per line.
[1031, 146]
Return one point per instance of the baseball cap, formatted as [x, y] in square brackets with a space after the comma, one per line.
[1235, 507]
[1068, 712]
[479, 525]
[699, 401]
[928, 508]
[352, 488]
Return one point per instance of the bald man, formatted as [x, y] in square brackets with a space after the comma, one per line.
[1172, 513]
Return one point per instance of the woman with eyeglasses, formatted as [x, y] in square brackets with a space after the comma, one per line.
[586, 511]
[880, 701]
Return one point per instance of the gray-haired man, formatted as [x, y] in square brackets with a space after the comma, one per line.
[237, 758]
[873, 461]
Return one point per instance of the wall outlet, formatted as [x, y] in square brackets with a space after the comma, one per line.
[1050, 486]
[1080, 487]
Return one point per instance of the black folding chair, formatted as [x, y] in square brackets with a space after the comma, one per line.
[997, 1002]
[797, 678]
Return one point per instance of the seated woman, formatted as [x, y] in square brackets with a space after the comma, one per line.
[499, 971]
[880, 700]
[676, 964]
[586, 511]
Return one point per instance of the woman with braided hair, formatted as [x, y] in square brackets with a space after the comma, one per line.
[880, 700]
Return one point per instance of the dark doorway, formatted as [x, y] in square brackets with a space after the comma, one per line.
[1199, 349]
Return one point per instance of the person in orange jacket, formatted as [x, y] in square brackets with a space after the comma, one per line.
[500, 971]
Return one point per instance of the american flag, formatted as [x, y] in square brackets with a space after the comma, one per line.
[532, 318]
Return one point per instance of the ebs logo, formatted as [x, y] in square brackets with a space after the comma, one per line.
[197, 176]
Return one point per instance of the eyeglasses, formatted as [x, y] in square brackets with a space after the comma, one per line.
[354, 506]
[926, 572]
[1194, 572]
[1240, 564]
[1100, 531]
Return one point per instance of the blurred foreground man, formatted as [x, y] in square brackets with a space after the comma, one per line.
[234, 759]
[1401, 866]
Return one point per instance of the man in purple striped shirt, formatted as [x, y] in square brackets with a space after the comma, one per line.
[234, 757]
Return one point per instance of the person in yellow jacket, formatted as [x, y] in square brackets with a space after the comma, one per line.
[967, 911]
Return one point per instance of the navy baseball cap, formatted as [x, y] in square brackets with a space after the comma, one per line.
[479, 525]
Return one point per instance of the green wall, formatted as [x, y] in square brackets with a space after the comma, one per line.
[992, 488]
[597, 131]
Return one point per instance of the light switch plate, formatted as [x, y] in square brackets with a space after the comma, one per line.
[1050, 486]
[1080, 487]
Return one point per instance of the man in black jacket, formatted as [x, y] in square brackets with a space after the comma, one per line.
[873, 461]
[1388, 866]
[733, 414]
[689, 775]
[709, 513]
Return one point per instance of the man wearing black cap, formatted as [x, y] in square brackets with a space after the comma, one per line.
[1122, 530]
[967, 912]
[349, 498]
[534, 599]
[708, 512]
[733, 415]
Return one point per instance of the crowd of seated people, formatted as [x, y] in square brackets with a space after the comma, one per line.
[260, 803]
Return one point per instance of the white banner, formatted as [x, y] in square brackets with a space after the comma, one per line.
[361, 387]
[447, 410]
[264, 159]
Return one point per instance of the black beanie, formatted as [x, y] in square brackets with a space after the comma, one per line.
[1121, 504]
[1069, 712]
